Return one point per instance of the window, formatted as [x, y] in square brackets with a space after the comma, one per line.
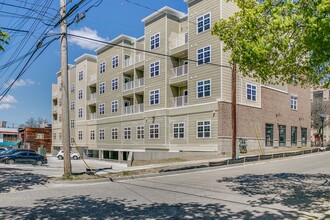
[80, 113]
[80, 135]
[140, 132]
[251, 92]
[204, 55]
[54, 136]
[60, 102]
[102, 67]
[60, 117]
[127, 133]
[203, 23]
[114, 84]
[71, 123]
[101, 134]
[154, 41]
[114, 133]
[92, 134]
[154, 131]
[269, 134]
[72, 105]
[154, 97]
[303, 137]
[115, 61]
[80, 94]
[178, 130]
[72, 140]
[318, 95]
[203, 88]
[60, 136]
[294, 100]
[204, 129]
[101, 109]
[81, 75]
[102, 88]
[114, 106]
[73, 87]
[282, 135]
[154, 69]
[294, 136]
[40, 136]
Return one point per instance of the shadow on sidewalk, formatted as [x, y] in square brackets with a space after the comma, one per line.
[304, 192]
[17, 179]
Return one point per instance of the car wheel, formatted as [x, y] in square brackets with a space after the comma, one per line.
[12, 162]
[75, 157]
[60, 157]
[39, 163]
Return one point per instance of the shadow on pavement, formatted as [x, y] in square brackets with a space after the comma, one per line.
[85, 207]
[304, 192]
[17, 179]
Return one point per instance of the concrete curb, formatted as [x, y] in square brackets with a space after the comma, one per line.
[212, 165]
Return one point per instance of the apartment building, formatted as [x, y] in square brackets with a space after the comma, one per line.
[170, 91]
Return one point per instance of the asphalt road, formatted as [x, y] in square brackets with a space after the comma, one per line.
[289, 188]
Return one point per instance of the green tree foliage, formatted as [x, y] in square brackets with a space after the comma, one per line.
[279, 41]
[4, 38]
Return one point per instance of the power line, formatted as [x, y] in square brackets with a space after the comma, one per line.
[12, 29]
[141, 50]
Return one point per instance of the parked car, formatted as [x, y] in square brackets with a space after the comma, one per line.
[3, 154]
[2, 149]
[25, 157]
[60, 155]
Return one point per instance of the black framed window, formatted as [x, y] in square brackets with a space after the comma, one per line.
[303, 136]
[269, 135]
[294, 136]
[282, 135]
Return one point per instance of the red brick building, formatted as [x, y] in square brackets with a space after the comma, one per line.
[33, 138]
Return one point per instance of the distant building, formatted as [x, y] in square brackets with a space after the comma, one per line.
[3, 124]
[33, 138]
[9, 137]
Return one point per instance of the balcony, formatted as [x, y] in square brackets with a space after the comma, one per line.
[139, 108]
[128, 62]
[92, 99]
[92, 79]
[92, 116]
[139, 82]
[179, 71]
[181, 40]
[139, 58]
[128, 85]
[129, 110]
[180, 101]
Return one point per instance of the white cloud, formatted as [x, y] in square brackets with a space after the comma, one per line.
[83, 43]
[4, 106]
[8, 99]
[21, 83]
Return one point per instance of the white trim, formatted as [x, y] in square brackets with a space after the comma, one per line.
[204, 57]
[112, 131]
[154, 99]
[154, 133]
[184, 130]
[154, 40]
[112, 84]
[136, 132]
[100, 88]
[101, 129]
[203, 127]
[115, 56]
[151, 77]
[165, 10]
[246, 94]
[203, 22]
[130, 129]
[272, 88]
[203, 88]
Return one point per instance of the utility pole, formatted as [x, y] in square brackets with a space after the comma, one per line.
[233, 112]
[65, 91]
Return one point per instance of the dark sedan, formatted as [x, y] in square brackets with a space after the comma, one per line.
[25, 157]
[13, 151]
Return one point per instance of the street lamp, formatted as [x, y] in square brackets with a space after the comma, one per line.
[322, 116]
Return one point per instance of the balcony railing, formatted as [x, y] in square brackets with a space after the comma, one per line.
[128, 62]
[128, 109]
[139, 57]
[139, 82]
[139, 108]
[179, 41]
[180, 71]
[129, 85]
[92, 115]
[92, 77]
[180, 101]
[92, 96]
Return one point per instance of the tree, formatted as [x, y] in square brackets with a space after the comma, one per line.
[4, 38]
[33, 122]
[279, 41]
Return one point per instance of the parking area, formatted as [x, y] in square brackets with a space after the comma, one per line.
[55, 167]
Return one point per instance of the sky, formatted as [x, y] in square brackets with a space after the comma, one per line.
[30, 95]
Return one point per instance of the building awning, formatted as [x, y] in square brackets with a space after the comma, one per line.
[10, 144]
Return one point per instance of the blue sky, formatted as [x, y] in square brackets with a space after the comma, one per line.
[31, 94]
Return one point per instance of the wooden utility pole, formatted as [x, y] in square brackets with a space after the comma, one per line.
[65, 91]
[233, 113]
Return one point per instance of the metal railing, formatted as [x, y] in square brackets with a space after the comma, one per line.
[139, 108]
[128, 85]
[179, 41]
[92, 115]
[128, 109]
[139, 82]
[128, 62]
[92, 96]
[180, 71]
[139, 57]
[180, 101]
